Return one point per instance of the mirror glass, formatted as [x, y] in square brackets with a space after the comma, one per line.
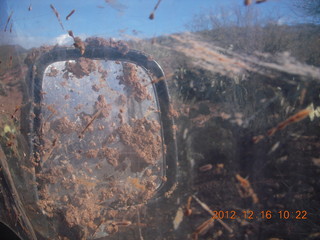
[99, 140]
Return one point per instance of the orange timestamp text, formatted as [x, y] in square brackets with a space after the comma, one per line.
[266, 214]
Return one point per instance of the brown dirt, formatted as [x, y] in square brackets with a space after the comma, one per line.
[131, 80]
[82, 67]
[142, 139]
[102, 105]
[96, 88]
[53, 72]
[172, 112]
[63, 125]
[119, 45]
[111, 154]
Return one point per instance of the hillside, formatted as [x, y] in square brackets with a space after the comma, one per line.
[236, 99]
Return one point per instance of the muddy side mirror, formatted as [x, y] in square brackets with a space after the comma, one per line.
[100, 137]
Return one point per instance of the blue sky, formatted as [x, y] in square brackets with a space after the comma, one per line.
[116, 19]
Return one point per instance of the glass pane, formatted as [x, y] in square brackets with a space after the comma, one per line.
[243, 78]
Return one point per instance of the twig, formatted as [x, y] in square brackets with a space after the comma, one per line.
[15, 111]
[8, 20]
[69, 15]
[47, 155]
[188, 210]
[205, 207]
[90, 122]
[293, 119]
[57, 15]
[151, 17]
[204, 227]
[140, 233]
[159, 79]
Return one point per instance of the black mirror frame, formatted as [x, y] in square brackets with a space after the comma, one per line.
[36, 74]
